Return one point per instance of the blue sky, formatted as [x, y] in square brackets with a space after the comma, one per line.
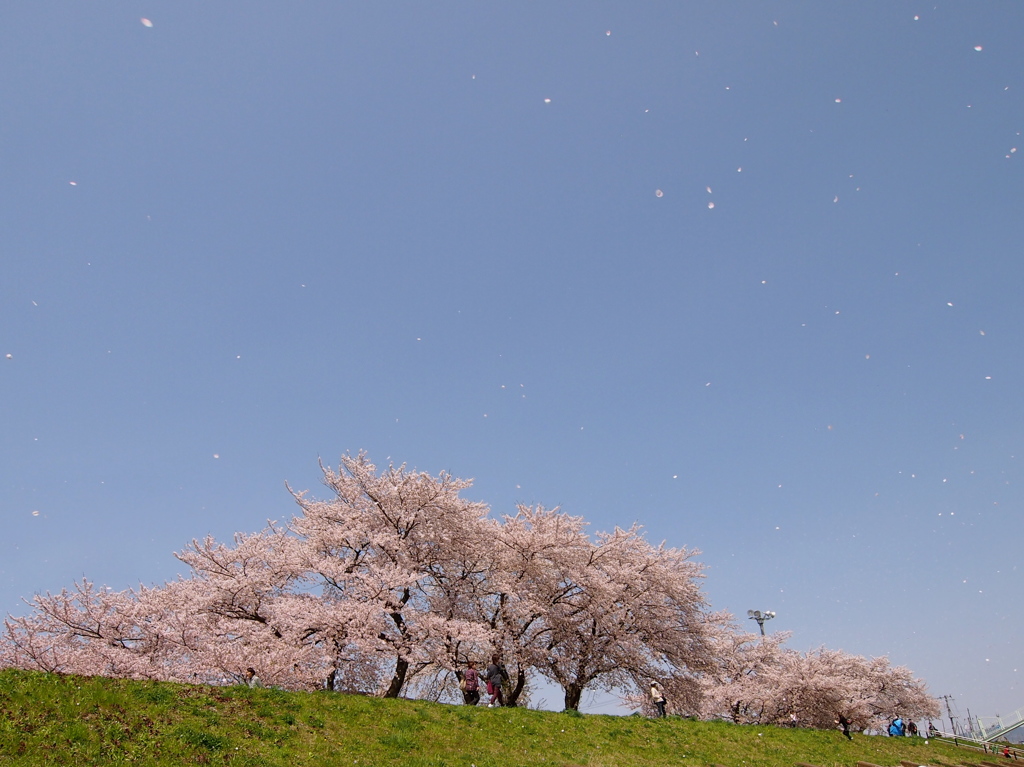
[746, 273]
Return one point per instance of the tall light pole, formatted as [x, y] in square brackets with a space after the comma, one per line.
[760, 617]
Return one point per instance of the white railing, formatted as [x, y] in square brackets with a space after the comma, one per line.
[966, 741]
[997, 726]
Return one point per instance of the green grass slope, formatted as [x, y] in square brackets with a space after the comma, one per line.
[48, 719]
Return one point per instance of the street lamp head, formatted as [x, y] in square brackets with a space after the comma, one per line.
[760, 617]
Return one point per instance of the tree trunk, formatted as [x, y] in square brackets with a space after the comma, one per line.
[573, 693]
[517, 688]
[398, 680]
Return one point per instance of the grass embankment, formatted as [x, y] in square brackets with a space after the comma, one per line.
[48, 719]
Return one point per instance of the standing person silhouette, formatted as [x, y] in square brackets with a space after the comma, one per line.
[471, 685]
[658, 698]
[495, 674]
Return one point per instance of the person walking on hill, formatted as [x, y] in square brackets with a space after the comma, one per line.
[896, 728]
[658, 698]
[471, 685]
[845, 724]
[495, 675]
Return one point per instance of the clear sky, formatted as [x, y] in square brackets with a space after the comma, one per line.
[748, 273]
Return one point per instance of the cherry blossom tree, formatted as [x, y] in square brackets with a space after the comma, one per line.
[81, 630]
[148, 633]
[599, 614]
[372, 578]
[822, 684]
[739, 682]
[363, 589]
[754, 680]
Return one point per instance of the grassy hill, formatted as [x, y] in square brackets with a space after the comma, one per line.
[48, 719]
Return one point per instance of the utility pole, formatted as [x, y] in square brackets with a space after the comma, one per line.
[949, 713]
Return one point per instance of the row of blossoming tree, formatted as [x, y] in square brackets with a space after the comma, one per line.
[394, 583]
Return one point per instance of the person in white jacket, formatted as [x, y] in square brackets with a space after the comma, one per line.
[658, 698]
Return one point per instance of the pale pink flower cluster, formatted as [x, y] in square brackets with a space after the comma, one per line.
[755, 680]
